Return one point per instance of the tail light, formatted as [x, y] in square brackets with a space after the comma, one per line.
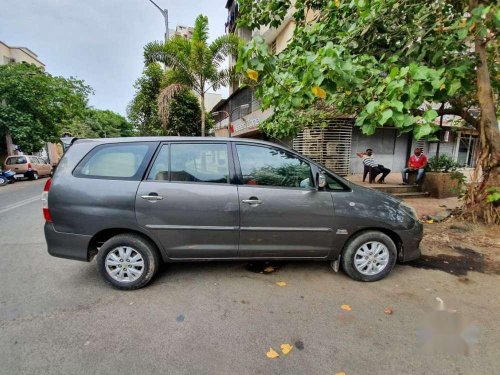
[29, 166]
[45, 201]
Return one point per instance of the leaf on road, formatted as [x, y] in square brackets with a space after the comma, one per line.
[340, 373]
[388, 311]
[429, 221]
[346, 307]
[286, 348]
[281, 283]
[269, 269]
[272, 354]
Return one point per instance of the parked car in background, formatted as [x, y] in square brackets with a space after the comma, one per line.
[134, 202]
[29, 166]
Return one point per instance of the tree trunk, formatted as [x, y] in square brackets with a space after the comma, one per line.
[202, 103]
[487, 172]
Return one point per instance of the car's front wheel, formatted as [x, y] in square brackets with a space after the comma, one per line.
[34, 176]
[369, 256]
[128, 261]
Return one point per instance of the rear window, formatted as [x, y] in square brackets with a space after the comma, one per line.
[16, 160]
[115, 161]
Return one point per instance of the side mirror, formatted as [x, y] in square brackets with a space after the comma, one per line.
[320, 180]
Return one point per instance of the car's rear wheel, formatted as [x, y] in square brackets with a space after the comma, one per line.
[369, 256]
[34, 176]
[3, 181]
[128, 261]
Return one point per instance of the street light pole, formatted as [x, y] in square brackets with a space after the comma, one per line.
[164, 13]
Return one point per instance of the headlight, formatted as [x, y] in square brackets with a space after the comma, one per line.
[409, 210]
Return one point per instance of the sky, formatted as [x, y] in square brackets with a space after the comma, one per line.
[99, 41]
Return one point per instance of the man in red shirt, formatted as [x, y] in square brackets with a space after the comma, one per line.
[417, 162]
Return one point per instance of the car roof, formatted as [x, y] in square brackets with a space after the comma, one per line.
[177, 139]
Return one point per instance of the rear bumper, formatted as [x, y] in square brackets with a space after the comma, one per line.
[411, 242]
[66, 245]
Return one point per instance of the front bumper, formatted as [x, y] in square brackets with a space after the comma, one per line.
[411, 239]
[67, 245]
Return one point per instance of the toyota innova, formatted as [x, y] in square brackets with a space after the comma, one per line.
[136, 202]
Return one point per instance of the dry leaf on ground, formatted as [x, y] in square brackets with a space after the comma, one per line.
[346, 307]
[272, 354]
[281, 283]
[286, 348]
[388, 311]
[269, 269]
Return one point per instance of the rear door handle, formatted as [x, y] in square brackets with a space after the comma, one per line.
[252, 201]
[152, 197]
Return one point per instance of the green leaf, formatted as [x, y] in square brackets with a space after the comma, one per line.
[396, 104]
[422, 130]
[372, 106]
[386, 115]
[430, 115]
[421, 73]
[454, 86]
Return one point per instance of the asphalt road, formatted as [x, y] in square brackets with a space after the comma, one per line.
[58, 317]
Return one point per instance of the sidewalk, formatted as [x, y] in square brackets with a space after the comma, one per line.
[424, 205]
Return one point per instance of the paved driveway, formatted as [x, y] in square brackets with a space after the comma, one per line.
[58, 317]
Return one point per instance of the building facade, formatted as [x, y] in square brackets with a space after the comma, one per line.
[335, 145]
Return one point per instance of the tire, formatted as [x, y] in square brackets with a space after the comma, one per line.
[34, 176]
[3, 181]
[126, 269]
[363, 248]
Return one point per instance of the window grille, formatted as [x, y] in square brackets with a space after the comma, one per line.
[330, 145]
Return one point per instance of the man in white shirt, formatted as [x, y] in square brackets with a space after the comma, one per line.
[377, 168]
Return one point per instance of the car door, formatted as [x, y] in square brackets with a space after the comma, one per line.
[188, 201]
[281, 213]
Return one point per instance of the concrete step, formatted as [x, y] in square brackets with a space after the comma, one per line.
[396, 189]
[417, 194]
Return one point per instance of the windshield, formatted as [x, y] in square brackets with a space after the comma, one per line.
[16, 160]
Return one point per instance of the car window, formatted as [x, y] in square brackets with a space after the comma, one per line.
[115, 161]
[16, 160]
[199, 162]
[332, 183]
[271, 167]
[159, 170]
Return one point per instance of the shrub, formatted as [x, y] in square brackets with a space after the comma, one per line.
[444, 163]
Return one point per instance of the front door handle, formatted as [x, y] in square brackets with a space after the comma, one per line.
[152, 197]
[252, 201]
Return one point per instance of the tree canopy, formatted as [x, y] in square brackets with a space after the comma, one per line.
[194, 64]
[98, 123]
[34, 104]
[387, 61]
[143, 109]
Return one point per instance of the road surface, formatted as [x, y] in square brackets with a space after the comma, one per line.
[58, 317]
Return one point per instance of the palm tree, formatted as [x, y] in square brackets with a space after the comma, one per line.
[193, 64]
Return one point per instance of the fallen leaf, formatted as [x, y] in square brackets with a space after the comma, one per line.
[269, 269]
[286, 348]
[281, 283]
[319, 92]
[253, 75]
[346, 307]
[388, 311]
[430, 221]
[272, 354]
[340, 373]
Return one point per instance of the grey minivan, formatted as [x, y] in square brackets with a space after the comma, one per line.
[135, 202]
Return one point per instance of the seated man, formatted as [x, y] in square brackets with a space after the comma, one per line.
[417, 162]
[368, 160]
